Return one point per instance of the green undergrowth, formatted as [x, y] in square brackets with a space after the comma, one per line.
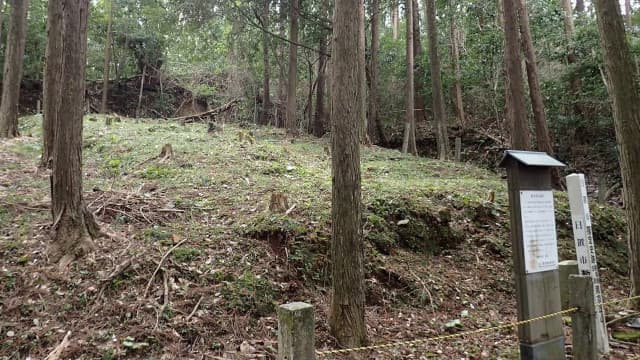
[416, 206]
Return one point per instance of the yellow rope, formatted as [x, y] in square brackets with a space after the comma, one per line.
[462, 334]
[444, 337]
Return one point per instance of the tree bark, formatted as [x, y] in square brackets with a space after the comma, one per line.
[139, 106]
[575, 84]
[362, 66]
[409, 143]
[419, 102]
[457, 72]
[626, 113]
[73, 224]
[13, 63]
[319, 119]
[292, 83]
[266, 89]
[395, 19]
[540, 118]
[628, 13]
[543, 138]
[52, 80]
[346, 317]
[107, 62]
[516, 110]
[1, 18]
[439, 111]
[375, 129]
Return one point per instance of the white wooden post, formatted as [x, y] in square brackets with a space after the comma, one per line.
[586, 250]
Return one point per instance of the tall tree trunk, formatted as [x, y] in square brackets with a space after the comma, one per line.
[346, 317]
[395, 19]
[292, 83]
[52, 80]
[319, 119]
[13, 63]
[439, 111]
[266, 90]
[282, 78]
[107, 62]
[455, 64]
[409, 143]
[626, 112]
[575, 83]
[419, 103]
[628, 13]
[362, 66]
[376, 132]
[139, 106]
[539, 117]
[1, 18]
[516, 110]
[73, 224]
[543, 138]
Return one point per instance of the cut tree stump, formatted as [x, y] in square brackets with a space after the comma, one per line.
[279, 202]
[166, 153]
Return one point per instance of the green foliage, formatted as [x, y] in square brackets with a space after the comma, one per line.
[250, 294]
[157, 172]
[185, 254]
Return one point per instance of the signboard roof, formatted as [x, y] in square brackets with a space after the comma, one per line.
[531, 158]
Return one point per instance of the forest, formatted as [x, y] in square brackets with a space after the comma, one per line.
[173, 172]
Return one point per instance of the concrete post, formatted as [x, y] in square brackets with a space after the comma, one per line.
[566, 268]
[583, 321]
[296, 327]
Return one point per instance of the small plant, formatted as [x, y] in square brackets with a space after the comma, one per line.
[250, 294]
[186, 254]
[157, 172]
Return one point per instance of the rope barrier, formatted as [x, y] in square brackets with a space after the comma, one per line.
[465, 333]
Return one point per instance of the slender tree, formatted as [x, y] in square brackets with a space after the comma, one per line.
[395, 19]
[319, 119]
[439, 111]
[625, 94]
[375, 128]
[455, 64]
[73, 224]
[52, 81]
[292, 83]
[628, 13]
[266, 71]
[409, 140]
[516, 110]
[1, 17]
[575, 83]
[580, 6]
[420, 114]
[107, 60]
[539, 117]
[362, 66]
[13, 63]
[346, 317]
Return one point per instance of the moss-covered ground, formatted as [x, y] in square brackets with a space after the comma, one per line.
[436, 244]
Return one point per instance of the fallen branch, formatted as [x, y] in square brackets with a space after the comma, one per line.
[212, 112]
[57, 352]
[195, 308]
[146, 289]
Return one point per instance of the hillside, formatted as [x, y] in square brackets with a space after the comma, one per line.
[436, 248]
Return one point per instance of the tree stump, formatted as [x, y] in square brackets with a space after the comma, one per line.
[166, 153]
[279, 202]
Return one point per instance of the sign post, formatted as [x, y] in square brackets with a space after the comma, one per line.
[535, 253]
[586, 250]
